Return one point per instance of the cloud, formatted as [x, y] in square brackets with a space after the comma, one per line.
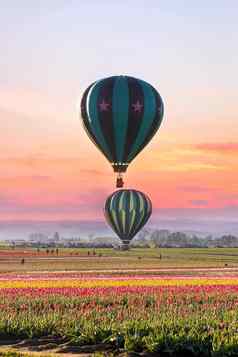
[74, 203]
[192, 188]
[231, 207]
[94, 172]
[219, 147]
[199, 202]
[42, 161]
[230, 196]
[20, 179]
[40, 177]
[6, 200]
[93, 198]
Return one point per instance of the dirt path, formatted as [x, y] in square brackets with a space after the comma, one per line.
[57, 347]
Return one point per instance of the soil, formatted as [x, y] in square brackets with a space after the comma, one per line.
[51, 346]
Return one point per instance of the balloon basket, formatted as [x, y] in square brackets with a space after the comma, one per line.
[120, 182]
[125, 247]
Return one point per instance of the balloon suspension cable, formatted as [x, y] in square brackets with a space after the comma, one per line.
[120, 181]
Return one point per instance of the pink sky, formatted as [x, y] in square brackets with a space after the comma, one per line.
[50, 169]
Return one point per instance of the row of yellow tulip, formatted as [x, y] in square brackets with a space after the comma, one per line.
[83, 283]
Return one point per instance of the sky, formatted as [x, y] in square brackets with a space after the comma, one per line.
[52, 50]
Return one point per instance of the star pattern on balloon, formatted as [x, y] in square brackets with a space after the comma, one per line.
[104, 106]
[137, 106]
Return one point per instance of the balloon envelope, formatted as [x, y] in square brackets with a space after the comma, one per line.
[127, 211]
[121, 114]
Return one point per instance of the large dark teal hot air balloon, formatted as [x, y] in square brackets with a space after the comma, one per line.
[127, 211]
[120, 115]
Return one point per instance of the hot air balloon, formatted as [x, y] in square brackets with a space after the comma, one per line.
[121, 114]
[127, 211]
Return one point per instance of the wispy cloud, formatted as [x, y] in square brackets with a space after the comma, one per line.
[219, 147]
[40, 177]
[72, 203]
[198, 202]
[24, 179]
[196, 189]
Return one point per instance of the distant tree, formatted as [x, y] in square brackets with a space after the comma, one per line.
[57, 251]
[56, 237]
[37, 237]
[47, 251]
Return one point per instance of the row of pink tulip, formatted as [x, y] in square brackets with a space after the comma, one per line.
[101, 291]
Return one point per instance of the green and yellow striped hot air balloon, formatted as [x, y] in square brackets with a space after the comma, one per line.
[127, 211]
[121, 114]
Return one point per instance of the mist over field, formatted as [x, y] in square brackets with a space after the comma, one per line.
[91, 229]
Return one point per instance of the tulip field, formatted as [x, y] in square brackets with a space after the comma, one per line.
[164, 312]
